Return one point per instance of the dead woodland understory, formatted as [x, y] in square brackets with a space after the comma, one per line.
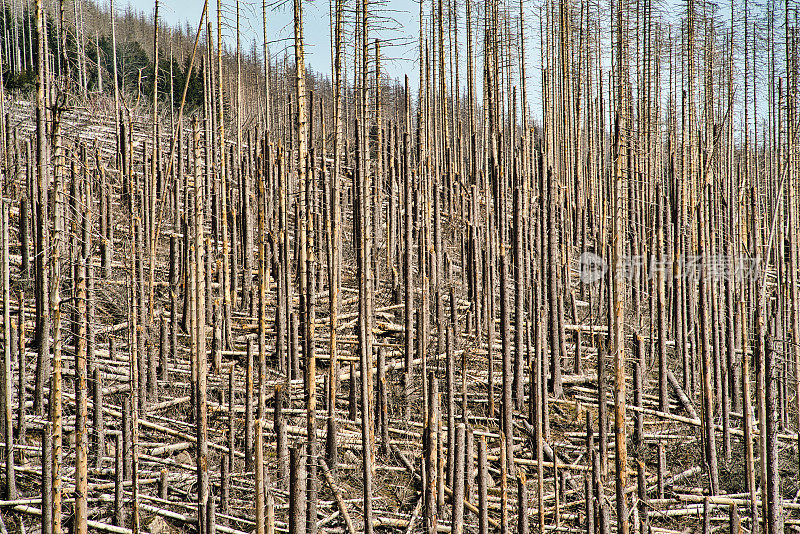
[342, 304]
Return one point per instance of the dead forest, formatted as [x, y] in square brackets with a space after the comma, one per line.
[552, 285]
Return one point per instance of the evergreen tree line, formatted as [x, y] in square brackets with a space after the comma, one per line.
[80, 58]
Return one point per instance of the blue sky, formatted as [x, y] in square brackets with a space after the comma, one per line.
[400, 19]
[396, 24]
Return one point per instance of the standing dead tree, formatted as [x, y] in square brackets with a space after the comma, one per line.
[522, 260]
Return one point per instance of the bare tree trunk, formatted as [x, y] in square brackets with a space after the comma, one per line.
[81, 383]
[8, 406]
[46, 480]
[200, 355]
[775, 519]
[43, 247]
